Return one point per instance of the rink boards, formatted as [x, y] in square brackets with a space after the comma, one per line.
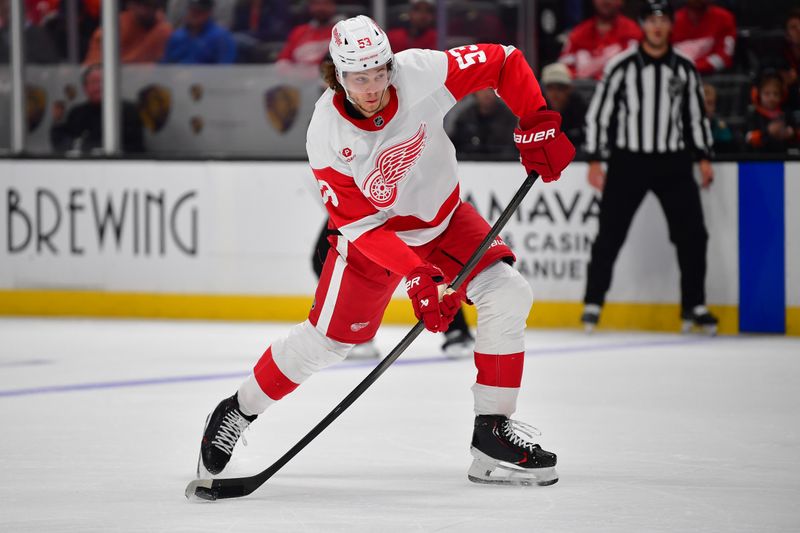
[233, 240]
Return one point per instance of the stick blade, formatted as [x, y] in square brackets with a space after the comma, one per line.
[200, 489]
[217, 489]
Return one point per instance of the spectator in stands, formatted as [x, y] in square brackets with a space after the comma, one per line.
[258, 25]
[39, 47]
[37, 11]
[593, 42]
[724, 141]
[143, 34]
[557, 83]
[572, 11]
[421, 29]
[707, 34]
[792, 48]
[482, 128]
[790, 66]
[82, 130]
[308, 43]
[769, 129]
[200, 40]
[222, 13]
[475, 22]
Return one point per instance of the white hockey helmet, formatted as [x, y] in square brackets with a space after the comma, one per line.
[358, 44]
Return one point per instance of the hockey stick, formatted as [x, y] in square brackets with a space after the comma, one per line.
[218, 489]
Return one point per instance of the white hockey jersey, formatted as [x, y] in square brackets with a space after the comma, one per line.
[390, 182]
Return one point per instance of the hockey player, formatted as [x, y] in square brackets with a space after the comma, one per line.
[387, 175]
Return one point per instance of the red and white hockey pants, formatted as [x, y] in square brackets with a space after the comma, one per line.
[353, 293]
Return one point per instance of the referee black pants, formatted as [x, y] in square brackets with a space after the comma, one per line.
[630, 176]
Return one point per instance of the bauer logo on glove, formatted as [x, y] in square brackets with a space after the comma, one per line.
[536, 137]
[543, 147]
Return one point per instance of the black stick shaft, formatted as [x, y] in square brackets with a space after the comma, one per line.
[257, 480]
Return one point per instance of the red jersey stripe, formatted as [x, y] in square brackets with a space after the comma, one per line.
[408, 223]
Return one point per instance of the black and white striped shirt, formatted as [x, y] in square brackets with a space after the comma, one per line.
[648, 105]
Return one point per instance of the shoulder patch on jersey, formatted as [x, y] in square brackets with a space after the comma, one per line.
[347, 154]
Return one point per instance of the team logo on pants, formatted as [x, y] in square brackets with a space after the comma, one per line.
[392, 165]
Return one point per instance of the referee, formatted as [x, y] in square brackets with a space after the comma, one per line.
[647, 120]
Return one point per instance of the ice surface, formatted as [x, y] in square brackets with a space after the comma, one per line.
[100, 423]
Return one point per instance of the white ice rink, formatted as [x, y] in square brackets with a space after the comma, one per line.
[100, 423]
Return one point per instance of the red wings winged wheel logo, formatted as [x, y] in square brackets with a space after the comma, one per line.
[391, 166]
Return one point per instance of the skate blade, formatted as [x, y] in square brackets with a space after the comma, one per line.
[688, 327]
[200, 490]
[589, 328]
[491, 472]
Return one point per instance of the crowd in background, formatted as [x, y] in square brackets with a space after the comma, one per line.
[759, 114]
[707, 34]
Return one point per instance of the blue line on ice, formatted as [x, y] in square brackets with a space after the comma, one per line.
[75, 387]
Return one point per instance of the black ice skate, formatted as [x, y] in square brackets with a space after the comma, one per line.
[223, 428]
[458, 343]
[502, 456]
[365, 350]
[700, 318]
[590, 317]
